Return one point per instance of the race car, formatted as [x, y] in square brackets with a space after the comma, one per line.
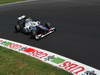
[35, 28]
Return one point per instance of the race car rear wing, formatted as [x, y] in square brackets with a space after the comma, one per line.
[21, 17]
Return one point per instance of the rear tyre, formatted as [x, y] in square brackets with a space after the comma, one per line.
[25, 31]
[17, 28]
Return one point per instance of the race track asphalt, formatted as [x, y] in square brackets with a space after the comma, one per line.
[77, 23]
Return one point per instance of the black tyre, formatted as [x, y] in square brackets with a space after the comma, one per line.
[25, 31]
[33, 34]
[17, 28]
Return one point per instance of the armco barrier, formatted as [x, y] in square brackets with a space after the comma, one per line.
[56, 60]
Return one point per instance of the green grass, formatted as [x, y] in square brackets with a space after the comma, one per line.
[9, 1]
[57, 60]
[14, 63]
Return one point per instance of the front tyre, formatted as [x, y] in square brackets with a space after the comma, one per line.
[48, 25]
[37, 37]
[33, 35]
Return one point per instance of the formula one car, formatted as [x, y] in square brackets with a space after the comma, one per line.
[35, 28]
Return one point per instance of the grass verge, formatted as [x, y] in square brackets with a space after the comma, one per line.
[14, 63]
[9, 1]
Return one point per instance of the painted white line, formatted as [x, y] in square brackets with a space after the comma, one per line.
[19, 2]
[56, 60]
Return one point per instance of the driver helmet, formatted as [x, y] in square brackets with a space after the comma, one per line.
[28, 20]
